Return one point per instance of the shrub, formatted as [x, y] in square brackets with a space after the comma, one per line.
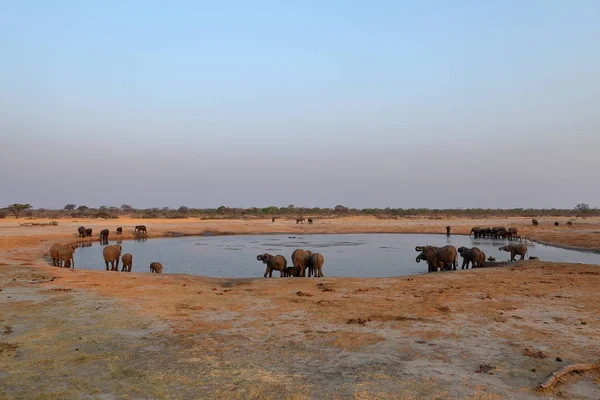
[3, 214]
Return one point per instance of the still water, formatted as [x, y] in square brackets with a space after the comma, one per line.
[359, 255]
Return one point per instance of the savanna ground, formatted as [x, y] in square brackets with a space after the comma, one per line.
[491, 333]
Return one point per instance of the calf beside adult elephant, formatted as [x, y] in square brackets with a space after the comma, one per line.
[274, 263]
[438, 257]
[156, 267]
[127, 260]
[63, 255]
[474, 256]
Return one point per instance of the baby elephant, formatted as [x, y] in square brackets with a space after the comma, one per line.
[156, 267]
[127, 262]
[515, 249]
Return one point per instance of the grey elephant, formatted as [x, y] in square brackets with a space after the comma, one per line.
[140, 229]
[274, 263]
[156, 267]
[438, 257]
[120, 230]
[474, 256]
[515, 249]
[299, 259]
[127, 262]
[88, 232]
[81, 231]
[104, 235]
[299, 220]
[111, 255]
[513, 233]
[534, 222]
[315, 265]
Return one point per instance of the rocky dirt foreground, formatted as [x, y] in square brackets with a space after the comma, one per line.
[492, 333]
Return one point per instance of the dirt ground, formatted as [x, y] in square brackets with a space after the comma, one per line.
[491, 333]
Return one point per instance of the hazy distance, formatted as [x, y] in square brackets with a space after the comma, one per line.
[244, 104]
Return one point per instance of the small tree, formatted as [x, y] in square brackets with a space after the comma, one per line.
[83, 208]
[582, 207]
[17, 208]
[70, 207]
[127, 208]
[183, 209]
[340, 209]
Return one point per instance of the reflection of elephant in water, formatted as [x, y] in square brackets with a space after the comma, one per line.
[515, 249]
[81, 231]
[438, 257]
[474, 256]
[127, 262]
[299, 259]
[156, 267]
[274, 263]
[88, 232]
[315, 265]
[111, 255]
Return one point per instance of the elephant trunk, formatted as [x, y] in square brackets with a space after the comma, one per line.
[419, 248]
[418, 259]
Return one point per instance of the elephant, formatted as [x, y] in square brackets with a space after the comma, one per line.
[534, 222]
[104, 235]
[156, 267]
[499, 232]
[310, 220]
[81, 231]
[476, 231]
[127, 262]
[299, 260]
[569, 223]
[515, 249]
[491, 259]
[58, 255]
[112, 254]
[436, 257]
[274, 263]
[119, 231]
[64, 256]
[88, 232]
[272, 219]
[474, 256]
[140, 229]
[315, 265]
[299, 219]
[512, 233]
[556, 223]
[448, 230]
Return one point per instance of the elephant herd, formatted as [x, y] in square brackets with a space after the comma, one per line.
[304, 263]
[445, 258]
[87, 232]
[498, 232]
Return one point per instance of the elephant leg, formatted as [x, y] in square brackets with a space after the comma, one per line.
[117, 264]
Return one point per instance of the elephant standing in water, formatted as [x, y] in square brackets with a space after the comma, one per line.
[111, 255]
[104, 235]
[299, 260]
[474, 256]
[438, 257]
[274, 263]
[515, 249]
[127, 262]
[156, 267]
[315, 265]
[448, 230]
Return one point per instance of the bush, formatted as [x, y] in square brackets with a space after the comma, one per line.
[3, 214]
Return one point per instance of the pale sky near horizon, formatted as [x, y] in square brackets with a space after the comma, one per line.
[367, 104]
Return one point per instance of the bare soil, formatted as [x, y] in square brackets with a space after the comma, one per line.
[491, 333]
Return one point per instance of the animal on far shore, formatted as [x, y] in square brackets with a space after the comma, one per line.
[534, 222]
[156, 267]
[515, 249]
[299, 220]
[81, 231]
[310, 220]
[274, 263]
[119, 231]
[448, 230]
[140, 229]
[273, 219]
[104, 235]
[88, 232]
[556, 223]
[569, 224]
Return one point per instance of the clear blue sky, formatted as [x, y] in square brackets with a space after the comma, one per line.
[317, 103]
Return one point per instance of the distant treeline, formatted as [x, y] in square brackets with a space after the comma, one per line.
[223, 212]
